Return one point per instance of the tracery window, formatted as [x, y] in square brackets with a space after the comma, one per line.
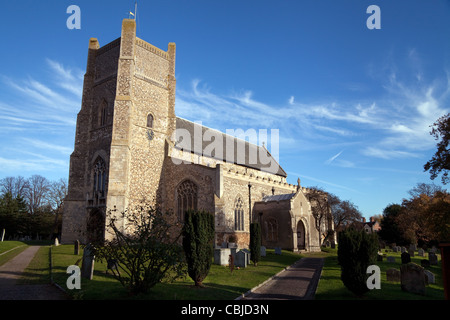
[239, 215]
[186, 198]
[99, 177]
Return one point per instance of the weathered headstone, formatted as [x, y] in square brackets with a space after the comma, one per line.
[411, 253]
[395, 249]
[390, 259]
[429, 277]
[432, 257]
[393, 275]
[87, 265]
[76, 247]
[406, 258]
[412, 278]
[402, 249]
[263, 251]
[241, 259]
[248, 255]
[277, 250]
[56, 242]
[221, 256]
[421, 252]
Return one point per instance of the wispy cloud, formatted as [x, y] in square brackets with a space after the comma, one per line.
[330, 160]
[38, 117]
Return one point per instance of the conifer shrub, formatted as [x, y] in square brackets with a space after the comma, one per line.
[255, 242]
[356, 251]
[198, 238]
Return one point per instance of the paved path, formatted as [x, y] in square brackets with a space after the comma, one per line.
[298, 282]
[12, 270]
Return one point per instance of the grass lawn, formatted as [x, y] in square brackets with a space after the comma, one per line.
[10, 249]
[220, 284]
[331, 287]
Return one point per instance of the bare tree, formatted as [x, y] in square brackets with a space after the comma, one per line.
[37, 193]
[344, 212]
[321, 211]
[16, 186]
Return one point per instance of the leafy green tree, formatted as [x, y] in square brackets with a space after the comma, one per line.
[356, 251]
[198, 239]
[440, 162]
[255, 242]
[390, 230]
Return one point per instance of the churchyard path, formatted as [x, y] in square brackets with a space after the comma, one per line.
[297, 282]
[10, 273]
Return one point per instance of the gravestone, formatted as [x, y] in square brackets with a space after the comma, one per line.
[241, 259]
[390, 259]
[263, 251]
[412, 278]
[248, 255]
[424, 263]
[277, 250]
[56, 242]
[221, 256]
[393, 275]
[395, 249]
[421, 252]
[411, 252]
[412, 247]
[432, 257]
[429, 277]
[3, 234]
[87, 265]
[406, 258]
[402, 249]
[76, 247]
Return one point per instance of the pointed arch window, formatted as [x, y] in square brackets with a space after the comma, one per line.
[186, 198]
[239, 215]
[150, 120]
[99, 177]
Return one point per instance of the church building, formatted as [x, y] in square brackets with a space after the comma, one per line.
[131, 147]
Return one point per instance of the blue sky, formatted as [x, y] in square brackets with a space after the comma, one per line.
[353, 106]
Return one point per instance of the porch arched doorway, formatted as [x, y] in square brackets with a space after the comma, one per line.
[301, 236]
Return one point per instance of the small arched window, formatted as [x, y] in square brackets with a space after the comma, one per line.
[186, 198]
[239, 215]
[150, 121]
[103, 114]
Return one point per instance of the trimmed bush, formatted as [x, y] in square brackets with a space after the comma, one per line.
[198, 238]
[356, 251]
[255, 242]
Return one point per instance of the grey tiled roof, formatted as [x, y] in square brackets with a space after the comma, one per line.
[250, 158]
[279, 197]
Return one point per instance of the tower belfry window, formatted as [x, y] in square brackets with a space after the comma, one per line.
[150, 121]
[99, 177]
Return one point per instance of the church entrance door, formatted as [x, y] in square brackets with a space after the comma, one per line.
[300, 236]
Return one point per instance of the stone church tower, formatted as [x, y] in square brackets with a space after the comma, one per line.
[130, 147]
[127, 112]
